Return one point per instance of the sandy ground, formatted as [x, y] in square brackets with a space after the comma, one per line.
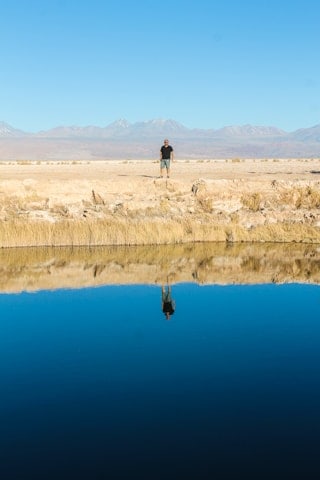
[65, 182]
[184, 170]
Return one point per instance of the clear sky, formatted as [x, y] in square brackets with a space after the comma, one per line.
[204, 63]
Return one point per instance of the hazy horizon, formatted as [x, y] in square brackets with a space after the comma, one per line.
[156, 122]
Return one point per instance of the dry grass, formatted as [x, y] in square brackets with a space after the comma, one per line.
[304, 197]
[205, 203]
[252, 201]
[117, 230]
[117, 208]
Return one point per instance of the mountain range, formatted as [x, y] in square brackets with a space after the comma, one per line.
[125, 140]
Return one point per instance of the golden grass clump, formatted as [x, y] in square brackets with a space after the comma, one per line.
[252, 201]
[303, 197]
[205, 203]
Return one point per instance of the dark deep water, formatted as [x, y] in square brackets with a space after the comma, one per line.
[97, 384]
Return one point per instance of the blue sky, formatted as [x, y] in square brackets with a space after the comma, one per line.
[204, 63]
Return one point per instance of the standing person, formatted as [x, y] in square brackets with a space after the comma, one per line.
[166, 155]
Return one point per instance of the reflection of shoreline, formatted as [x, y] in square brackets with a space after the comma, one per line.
[32, 269]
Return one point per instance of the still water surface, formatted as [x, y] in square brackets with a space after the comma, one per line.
[96, 383]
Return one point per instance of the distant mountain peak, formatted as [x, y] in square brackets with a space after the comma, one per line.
[161, 121]
[7, 130]
[308, 134]
[162, 126]
[248, 130]
[121, 123]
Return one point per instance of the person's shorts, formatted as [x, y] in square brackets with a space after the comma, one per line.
[166, 297]
[165, 163]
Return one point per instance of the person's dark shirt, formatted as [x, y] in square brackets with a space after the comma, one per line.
[166, 152]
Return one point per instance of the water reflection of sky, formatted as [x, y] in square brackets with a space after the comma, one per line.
[96, 383]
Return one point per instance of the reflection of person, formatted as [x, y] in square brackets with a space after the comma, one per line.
[166, 155]
[168, 304]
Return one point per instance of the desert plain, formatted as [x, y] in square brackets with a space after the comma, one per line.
[124, 202]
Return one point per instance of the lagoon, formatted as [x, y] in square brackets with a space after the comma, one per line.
[97, 383]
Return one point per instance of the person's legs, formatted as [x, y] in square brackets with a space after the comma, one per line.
[168, 167]
[162, 167]
[165, 165]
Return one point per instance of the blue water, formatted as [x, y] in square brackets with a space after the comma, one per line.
[97, 384]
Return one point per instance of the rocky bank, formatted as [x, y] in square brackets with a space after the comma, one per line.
[125, 203]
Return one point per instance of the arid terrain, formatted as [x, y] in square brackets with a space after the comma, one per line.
[126, 203]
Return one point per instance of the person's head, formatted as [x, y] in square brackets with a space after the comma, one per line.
[166, 141]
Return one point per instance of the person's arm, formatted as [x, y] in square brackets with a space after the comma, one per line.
[172, 155]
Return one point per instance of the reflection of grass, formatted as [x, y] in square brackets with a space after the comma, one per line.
[251, 263]
[48, 267]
